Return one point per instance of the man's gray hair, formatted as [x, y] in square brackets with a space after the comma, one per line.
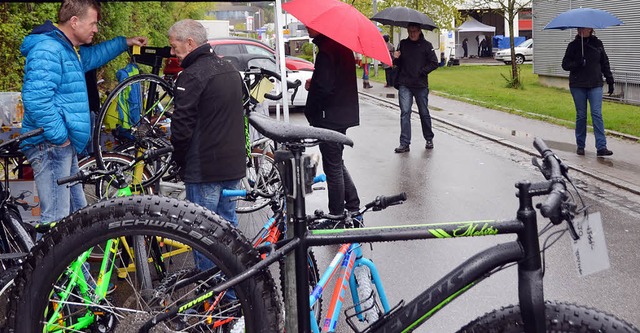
[184, 29]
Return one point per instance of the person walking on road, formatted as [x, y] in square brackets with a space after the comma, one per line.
[332, 103]
[587, 61]
[415, 59]
[207, 126]
[55, 98]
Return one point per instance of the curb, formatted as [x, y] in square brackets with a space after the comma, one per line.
[530, 151]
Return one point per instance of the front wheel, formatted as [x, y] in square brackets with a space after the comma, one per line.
[50, 295]
[560, 318]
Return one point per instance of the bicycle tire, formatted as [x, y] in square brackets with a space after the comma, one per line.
[263, 178]
[140, 258]
[314, 278]
[560, 318]
[144, 122]
[97, 190]
[366, 294]
[14, 238]
[259, 304]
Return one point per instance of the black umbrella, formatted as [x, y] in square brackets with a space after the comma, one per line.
[402, 16]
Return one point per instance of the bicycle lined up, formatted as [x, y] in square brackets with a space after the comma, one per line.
[196, 302]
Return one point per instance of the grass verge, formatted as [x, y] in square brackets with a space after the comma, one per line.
[487, 86]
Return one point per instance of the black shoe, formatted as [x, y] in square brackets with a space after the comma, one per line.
[402, 149]
[604, 152]
[580, 151]
[429, 144]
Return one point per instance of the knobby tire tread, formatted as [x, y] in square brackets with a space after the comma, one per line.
[560, 318]
[162, 216]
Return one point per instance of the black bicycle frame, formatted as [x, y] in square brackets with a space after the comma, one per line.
[525, 251]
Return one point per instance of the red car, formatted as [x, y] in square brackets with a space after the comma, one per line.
[237, 45]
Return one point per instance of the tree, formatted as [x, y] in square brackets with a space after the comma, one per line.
[149, 18]
[508, 9]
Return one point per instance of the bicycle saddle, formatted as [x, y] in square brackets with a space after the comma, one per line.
[285, 132]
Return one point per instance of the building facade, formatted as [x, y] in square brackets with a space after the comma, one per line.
[622, 44]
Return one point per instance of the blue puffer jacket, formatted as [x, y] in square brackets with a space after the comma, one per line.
[54, 92]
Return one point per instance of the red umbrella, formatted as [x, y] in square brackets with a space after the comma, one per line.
[342, 23]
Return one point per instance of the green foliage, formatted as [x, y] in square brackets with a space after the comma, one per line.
[149, 18]
[16, 21]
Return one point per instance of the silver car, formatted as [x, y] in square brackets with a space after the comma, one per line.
[524, 52]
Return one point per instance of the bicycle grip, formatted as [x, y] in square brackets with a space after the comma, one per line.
[273, 97]
[321, 178]
[382, 202]
[234, 193]
[80, 176]
[541, 146]
[153, 153]
[550, 208]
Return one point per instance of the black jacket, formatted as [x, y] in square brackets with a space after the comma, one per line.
[417, 59]
[587, 74]
[207, 127]
[332, 101]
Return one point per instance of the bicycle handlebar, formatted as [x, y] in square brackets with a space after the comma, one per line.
[83, 175]
[22, 137]
[552, 170]
[265, 72]
[381, 202]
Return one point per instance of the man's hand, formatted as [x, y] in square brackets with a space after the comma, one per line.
[140, 41]
[610, 92]
[307, 84]
[584, 62]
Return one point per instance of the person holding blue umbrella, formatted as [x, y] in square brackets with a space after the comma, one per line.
[587, 62]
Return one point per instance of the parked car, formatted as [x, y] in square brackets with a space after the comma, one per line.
[524, 52]
[231, 46]
[245, 61]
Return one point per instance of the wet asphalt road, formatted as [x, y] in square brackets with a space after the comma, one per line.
[467, 177]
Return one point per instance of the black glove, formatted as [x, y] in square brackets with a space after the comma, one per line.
[610, 92]
[584, 62]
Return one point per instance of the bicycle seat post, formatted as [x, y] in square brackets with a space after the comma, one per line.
[296, 212]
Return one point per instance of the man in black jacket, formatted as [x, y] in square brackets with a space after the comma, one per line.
[415, 59]
[587, 62]
[332, 103]
[207, 127]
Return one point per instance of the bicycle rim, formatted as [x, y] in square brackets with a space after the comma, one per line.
[132, 114]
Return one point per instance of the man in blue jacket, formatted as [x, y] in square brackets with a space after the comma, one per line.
[54, 94]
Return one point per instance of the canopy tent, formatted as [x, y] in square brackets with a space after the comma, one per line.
[470, 29]
[279, 19]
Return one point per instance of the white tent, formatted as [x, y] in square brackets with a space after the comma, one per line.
[470, 29]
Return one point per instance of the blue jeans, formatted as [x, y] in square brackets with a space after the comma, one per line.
[405, 96]
[50, 163]
[209, 195]
[594, 97]
[340, 187]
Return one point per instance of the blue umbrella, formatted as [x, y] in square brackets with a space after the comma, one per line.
[583, 18]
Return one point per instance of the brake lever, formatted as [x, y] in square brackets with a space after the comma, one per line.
[545, 172]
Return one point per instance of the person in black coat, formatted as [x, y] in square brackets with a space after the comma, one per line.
[207, 126]
[587, 61]
[415, 59]
[332, 103]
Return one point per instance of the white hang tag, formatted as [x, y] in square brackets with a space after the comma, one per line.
[590, 251]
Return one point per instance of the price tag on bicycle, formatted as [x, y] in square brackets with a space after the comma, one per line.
[590, 251]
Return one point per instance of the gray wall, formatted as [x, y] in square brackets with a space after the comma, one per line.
[622, 43]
